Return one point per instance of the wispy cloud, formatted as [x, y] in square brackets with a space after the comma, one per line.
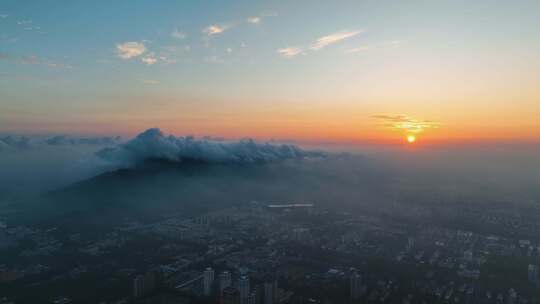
[32, 60]
[213, 59]
[24, 22]
[405, 123]
[167, 60]
[333, 38]
[177, 34]
[27, 25]
[392, 43]
[320, 43]
[381, 45]
[289, 52]
[254, 20]
[150, 82]
[215, 29]
[358, 49]
[128, 50]
[4, 16]
[259, 18]
[149, 60]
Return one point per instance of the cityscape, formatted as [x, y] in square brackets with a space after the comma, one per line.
[279, 253]
[269, 152]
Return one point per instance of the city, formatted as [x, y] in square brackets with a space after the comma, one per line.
[269, 152]
[278, 253]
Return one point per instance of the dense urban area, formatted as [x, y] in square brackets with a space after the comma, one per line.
[278, 253]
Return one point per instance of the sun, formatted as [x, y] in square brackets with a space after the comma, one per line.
[411, 138]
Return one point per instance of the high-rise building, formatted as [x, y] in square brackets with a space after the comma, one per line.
[532, 273]
[258, 294]
[230, 295]
[144, 284]
[468, 255]
[225, 280]
[243, 288]
[270, 291]
[252, 298]
[356, 288]
[208, 281]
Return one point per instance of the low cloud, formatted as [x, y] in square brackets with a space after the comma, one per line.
[153, 144]
[17, 143]
[31, 164]
[11, 142]
[66, 140]
[128, 50]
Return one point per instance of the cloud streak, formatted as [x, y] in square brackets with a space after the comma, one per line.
[357, 50]
[392, 44]
[333, 38]
[289, 52]
[405, 123]
[32, 60]
[320, 43]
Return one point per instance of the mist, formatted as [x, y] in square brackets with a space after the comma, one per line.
[154, 172]
[33, 165]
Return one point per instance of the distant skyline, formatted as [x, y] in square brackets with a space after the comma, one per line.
[312, 71]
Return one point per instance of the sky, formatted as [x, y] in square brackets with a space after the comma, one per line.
[312, 71]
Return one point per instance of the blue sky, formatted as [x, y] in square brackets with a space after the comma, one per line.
[229, 67]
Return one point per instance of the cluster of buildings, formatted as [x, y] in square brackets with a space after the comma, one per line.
[289, 253]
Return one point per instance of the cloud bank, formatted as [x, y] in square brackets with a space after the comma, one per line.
[153, 144]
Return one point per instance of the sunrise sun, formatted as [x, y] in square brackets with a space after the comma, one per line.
[411, 138]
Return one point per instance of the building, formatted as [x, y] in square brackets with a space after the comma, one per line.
[230, 295]
[356, 287]
[144, 284]
[468, 256]
[208, 281]
[532, 273]
[270, 292]
[252, 298]
[225, 280]
[243, 288]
